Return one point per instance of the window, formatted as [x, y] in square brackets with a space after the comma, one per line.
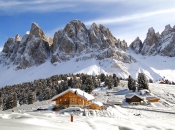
[79, 100]
[72, 100]
[60, 99]
[64, 99]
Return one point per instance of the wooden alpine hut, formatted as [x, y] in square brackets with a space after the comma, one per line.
[73, 97]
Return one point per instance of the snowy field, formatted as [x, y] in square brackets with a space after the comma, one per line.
[113, 118]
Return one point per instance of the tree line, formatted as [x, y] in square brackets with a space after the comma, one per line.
[44, 89]
[140, 83]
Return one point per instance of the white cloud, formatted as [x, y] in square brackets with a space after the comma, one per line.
[129, 17]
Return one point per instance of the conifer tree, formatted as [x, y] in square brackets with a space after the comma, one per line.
[31, 98]
[14, 100]
[1, 103]
[130, 80]
[142, 81]
[131, 83]
[102, 77]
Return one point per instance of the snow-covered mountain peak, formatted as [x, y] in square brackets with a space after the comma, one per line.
[155, 43]
[168, 30]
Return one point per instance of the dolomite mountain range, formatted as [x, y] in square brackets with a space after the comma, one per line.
[35, 48]
[93, 50]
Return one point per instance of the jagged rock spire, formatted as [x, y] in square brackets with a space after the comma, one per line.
[17, 38]
[136, 45]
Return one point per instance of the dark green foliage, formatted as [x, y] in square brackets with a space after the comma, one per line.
[167, 81]
[116, 82]
[114, 76]
[70, 82]
[150, 81]
[173, 83]
[14, 100]
[1, 103]
[31, 98]
[131, 83]
[89, 85]
[8, 104]
[142, 81]
[102, 77]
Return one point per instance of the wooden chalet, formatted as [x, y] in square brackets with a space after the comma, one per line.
[152, 99]
[73, 97]
[96, 106]
[134, 99]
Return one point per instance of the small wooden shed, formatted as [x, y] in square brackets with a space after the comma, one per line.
[152, 99]
[161, 82]
[96, 106]
[134, 99]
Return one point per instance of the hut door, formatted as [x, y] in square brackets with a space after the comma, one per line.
[66, 101]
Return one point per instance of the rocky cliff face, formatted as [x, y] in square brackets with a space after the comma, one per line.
[34, 48]
[136, 45]
[76, 39]
[155, 43]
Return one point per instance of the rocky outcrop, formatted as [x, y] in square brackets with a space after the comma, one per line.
[155, 43]
[34, 48]
[149, 44]
[75, 39]
[136, 45]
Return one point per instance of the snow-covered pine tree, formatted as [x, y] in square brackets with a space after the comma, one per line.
[1, 103]
[102, 77]
[142, 81]
[130, 80]
[31, 98]
[14, 99]
[89, 85]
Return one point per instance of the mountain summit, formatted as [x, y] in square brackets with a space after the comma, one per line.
[155, 43]
[74, 40]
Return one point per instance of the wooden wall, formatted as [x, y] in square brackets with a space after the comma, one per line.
[70, 98]
[154, 100]
[94, 106]
[133, 99]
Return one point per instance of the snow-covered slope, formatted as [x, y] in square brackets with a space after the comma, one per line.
[155, 67]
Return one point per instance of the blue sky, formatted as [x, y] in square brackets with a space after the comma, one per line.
[127, 19]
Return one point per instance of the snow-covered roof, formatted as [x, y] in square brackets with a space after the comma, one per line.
[132, 95]
[78, 92]
[151, 98]
[96, 103]
[143, 91]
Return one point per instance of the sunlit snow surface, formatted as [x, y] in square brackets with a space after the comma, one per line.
[155, 67]
[113, 118]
